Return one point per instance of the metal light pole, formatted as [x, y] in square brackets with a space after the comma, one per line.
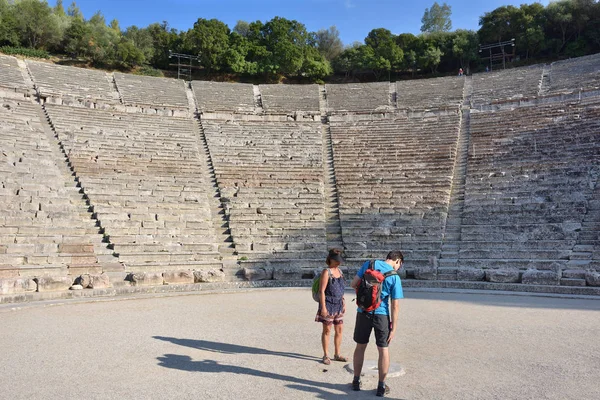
[184, 69]
[501, 45]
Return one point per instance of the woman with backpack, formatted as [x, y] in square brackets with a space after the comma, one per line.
[332, 305]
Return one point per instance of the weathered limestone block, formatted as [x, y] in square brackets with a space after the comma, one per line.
[574, 274]
[17, 285]
[284, 274]
[99, 281]
[174, 277]
[146, 278]
[572, 282]
[83, 280]
[536, 277]
[258, 274]
[75, 248]
[209, 275]
[53, 283]
[76, 287]
[502, 275]
[592, 278]
[425, 273]
[470, 274]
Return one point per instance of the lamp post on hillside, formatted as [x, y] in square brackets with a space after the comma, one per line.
[184, 70]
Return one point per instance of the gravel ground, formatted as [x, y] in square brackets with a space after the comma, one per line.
[263, 344]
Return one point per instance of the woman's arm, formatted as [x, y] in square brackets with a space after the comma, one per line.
[322, 286]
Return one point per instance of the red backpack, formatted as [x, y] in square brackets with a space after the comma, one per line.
[368, 291]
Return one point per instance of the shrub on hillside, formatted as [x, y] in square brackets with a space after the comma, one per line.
[148, 71]
[24, 51]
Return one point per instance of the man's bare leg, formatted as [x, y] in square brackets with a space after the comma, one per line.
[383, 364]
[359, 358]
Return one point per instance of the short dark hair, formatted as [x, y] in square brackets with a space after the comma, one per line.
[395, 256]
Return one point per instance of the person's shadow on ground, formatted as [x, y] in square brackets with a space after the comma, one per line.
[228, 348]
[185, 363]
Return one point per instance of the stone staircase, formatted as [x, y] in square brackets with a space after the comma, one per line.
[585, 253]
[393, 95]
[468, 91]
[102, 246]
[448, 262]
[258, 104]
[545, 80]
[219, 211]
[333, 229]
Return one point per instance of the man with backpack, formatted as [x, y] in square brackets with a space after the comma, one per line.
[376, 282]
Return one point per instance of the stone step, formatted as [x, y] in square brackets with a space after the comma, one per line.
[127, 248]
[447, 262]
[583, 248]
[581, 256]
[165, 257]
[172, 266]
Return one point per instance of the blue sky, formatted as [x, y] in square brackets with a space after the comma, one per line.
[353, 18]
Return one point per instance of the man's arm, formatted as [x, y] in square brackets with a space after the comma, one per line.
[394, 318]
[355, 282]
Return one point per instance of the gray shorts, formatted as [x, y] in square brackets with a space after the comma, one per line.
[366, 322]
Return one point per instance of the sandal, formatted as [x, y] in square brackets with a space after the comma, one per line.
[340, 358]
[326, 360]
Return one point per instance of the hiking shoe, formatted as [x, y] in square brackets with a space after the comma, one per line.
[356, 385]
[382, 390]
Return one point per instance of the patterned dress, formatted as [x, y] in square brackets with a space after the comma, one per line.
[334, 301]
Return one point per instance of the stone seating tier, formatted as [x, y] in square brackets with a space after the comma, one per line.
[530, 171]
[218, 96]
[153, 188]
[509, 84]
[575, 74]
[394, 189]
[277, 99]
[271, 175]
[10, 75]
[358, 97]
[53, 80]
[44, 226]
[153, 91]
[430, 93]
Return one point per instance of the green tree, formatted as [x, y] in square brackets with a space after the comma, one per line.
[383, 43]
[431, 58]
[210, 40]
[315, 66]
[242, 28]
[465, 47]
[142, 40]
[102, 41]
[437, 18]
[128, 54]
[329, 43]
[76, 37]
[500, 24]
[285, 41]
[8, 24]
[73, 11]
[559, 16]
[163, 40]
[236, 54]
[59, 9]
[35, 25]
